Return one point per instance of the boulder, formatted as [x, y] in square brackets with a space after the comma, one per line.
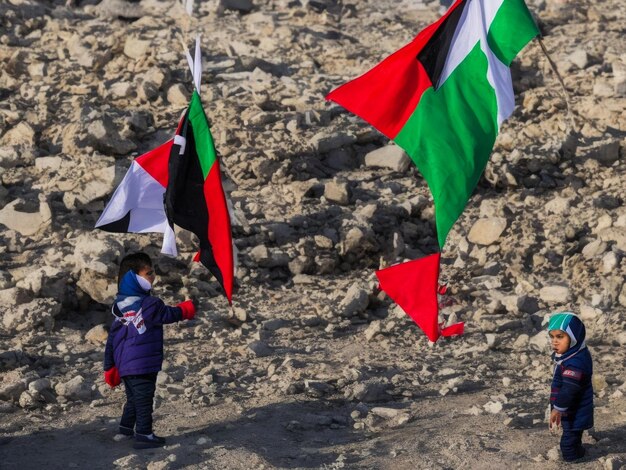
[75, 389]
[26, 223]
[337, 192]
[355, 301]
[487, 231]
[37, 314]
[97, 335]
[555, 294]
[389, 156]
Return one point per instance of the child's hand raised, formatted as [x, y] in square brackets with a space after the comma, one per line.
[188, 308]
[555, 420]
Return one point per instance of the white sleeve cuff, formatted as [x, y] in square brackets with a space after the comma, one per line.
[559, 409]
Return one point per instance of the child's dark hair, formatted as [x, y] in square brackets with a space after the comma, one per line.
[133, 262]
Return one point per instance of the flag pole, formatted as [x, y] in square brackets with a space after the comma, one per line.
[570, 115]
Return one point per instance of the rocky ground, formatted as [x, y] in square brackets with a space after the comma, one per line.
[314, 367]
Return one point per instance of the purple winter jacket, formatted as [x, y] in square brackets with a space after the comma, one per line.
[135, 342]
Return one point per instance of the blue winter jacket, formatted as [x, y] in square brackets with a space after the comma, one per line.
[135, 342]
[572, 390]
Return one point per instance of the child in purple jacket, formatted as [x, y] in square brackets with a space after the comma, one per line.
[571, 397]
[134, 348]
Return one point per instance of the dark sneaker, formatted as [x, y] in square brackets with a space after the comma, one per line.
[126, 431]
[148, 442]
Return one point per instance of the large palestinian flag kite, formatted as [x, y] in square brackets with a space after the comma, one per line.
[179, 183]
[443, 97]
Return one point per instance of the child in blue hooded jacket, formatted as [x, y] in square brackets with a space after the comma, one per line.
[134, 348]
[571, 397]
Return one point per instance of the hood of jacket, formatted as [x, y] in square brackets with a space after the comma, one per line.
[133, 289]
[575, 329]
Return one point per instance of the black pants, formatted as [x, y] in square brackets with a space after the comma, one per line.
[139, 398]
[571, 444]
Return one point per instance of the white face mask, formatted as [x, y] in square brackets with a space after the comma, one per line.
[143, 283]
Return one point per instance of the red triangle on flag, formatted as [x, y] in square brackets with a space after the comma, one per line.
[414, 286]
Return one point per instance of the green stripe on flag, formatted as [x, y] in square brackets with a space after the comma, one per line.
[450, 136]
[511, 29]
[205, 147]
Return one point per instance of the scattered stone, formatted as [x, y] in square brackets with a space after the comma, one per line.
[390, 156]
[177, 95]
[593, 249]
[487, 231]
[355, 301]
[493, 407]
[26, 223]
[104, 136]
[337, 192]
[136, 48]
[553, 454]
[243, 6]
[372, 330]
[554, 294]
[97, 335]
[76, 388]
[539, 342]
[38, 314]
[371, 392]
[325, 142]
[260, 349]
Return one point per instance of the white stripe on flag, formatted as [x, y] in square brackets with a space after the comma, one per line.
[473, 27]
[141, 195]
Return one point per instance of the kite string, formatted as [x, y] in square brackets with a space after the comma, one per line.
[570, 115]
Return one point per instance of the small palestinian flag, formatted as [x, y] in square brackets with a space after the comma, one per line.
[195, 199]
[443, 97]
[179, 183]
[137, 204]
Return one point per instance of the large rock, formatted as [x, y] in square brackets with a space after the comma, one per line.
[269, 258]
[100, 287]
[338, 192]
[20, 135]
[97, 335]
[325, 142]
[98, 254]
[357, 241]
[14, 296]
[555, 294]
[369, 392]
[12, 385]
[260, 349]
[26, 223]
[94, 185]
[487, 231]
[355, 301]
[46, 281]
[177, 95]
[389, 156]
[136, 48]
[104, 136]
[36, 314]
[77, 389]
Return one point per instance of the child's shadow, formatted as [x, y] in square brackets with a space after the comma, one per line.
[308, 434]
[609, 442]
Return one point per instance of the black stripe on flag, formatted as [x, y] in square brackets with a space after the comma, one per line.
[434, 54]
[118, 226]
[185, 202]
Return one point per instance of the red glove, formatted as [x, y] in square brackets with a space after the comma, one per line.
[188, 308]
[112, 377]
